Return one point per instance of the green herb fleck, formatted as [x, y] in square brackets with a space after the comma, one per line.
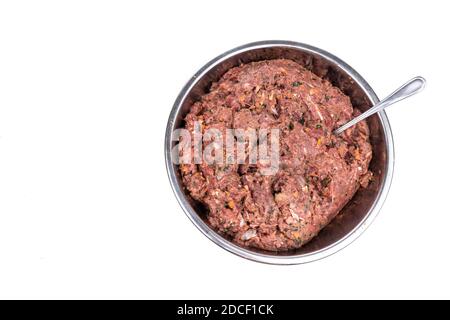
[327, 98]
[296, 83]
[291, 126]
[318, 126]
[325, 182]
[302, 121]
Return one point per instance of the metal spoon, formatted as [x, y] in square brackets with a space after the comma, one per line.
[413, 86]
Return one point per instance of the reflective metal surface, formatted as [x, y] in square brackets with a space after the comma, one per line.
[358, 213]
[413, 86]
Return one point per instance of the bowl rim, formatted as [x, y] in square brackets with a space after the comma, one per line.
[262, 257]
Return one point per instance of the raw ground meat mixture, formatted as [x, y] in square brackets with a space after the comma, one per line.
[318, 172]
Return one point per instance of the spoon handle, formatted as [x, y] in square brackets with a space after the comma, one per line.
[410, 88]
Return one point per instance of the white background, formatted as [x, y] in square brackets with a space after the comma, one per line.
[86, 87]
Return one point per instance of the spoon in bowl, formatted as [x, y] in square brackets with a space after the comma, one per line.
[413, 86]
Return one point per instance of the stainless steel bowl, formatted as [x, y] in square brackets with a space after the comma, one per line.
[364, 206]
